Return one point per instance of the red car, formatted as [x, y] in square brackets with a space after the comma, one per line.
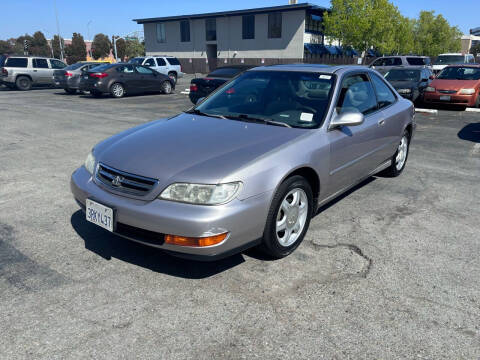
[456, 85]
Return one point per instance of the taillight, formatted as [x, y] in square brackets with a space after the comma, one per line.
[193, 87]
[99, 75]
[68, 74]
[4, 72]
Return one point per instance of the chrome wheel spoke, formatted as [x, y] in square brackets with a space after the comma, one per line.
[291, 217]
[282, 224]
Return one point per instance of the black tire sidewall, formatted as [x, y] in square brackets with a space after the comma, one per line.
[395, 171]
[19, 79]
[270, 244]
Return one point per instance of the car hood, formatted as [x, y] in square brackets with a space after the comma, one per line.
[443, 84]
[192, 148]
[404, 84]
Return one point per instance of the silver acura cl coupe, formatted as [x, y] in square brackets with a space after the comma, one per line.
[250, 164]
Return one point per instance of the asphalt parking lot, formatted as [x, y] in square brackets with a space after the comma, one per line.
[389, 271]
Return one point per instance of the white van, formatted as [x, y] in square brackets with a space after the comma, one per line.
[443, 60]
[167, 65]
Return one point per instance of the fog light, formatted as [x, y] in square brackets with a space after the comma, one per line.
[195, 241]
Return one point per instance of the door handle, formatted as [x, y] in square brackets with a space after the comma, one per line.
[381, 122]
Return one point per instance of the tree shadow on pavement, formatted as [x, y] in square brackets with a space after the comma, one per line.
[470, 132]
[109, 245]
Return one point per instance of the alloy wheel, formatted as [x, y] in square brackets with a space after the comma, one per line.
[117, 90]
[291, 217]
[402, 152]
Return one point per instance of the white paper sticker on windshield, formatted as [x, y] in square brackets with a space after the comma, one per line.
[325, 77]
[306, 117]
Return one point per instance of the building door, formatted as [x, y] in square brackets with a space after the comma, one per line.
[212, 56]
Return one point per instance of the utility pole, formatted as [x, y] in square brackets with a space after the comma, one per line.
[58, 30]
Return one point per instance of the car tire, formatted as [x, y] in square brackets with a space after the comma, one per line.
[166, 87]
[71, 91]
[173, 76]
[117, 90]
[399, 159]
[23, 83]
[288, 218]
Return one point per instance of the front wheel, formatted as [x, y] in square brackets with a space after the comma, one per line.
[117, 90]
[399, 160]
[166, 87]
[288, 218]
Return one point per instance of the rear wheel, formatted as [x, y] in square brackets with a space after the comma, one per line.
[23, 83]
[288, 218]
[173, 76]
[71, 91]
[117, 90]
[399, 160]
[166, 87]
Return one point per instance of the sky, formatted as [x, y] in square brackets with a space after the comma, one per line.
[114, 17]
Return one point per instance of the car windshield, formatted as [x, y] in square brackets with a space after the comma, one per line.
[403, 75]
[285, 98]
[137, 61]
[460, 73]
[74, 66]
[450, 59]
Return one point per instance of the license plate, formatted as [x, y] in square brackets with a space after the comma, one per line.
[445, 98]
[99, 214]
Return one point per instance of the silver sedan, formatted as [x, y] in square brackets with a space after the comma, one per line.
[249, 165]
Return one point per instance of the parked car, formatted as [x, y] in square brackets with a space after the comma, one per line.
[120, 79]
[23, 72]
[69, 77]
[251, 164]
[201, 87]
[410, 82]
[456, 84]
[385, 63]
[443, 60]
[167, 65]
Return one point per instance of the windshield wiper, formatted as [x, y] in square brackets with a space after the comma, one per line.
[261, 120]
[198, 112]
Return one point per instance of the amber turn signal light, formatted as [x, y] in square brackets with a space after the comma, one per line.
[195, 241]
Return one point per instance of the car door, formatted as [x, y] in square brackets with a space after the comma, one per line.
[353, 148]
[147, 79]
[389, 129]
[41, 73]
[161, 66]
[128, 77]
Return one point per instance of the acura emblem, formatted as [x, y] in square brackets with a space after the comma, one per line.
[117, 180]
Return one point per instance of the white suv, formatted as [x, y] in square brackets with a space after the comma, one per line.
[443, 60]
[167, 65]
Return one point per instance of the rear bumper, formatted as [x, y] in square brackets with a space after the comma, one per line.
[146, 222]
[93, 86]
[455, 99]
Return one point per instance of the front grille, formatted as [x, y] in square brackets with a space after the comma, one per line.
[447, 91]
[125, 182]
[143, 235]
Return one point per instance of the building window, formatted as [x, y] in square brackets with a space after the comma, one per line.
[275, 25]
[185, 31]
[248, 27]
[314, 24]
[211, 29]
[161, 37]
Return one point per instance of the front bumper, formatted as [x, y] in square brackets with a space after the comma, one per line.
[147, 221]
[455, 99]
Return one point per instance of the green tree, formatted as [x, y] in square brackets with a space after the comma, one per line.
[56, 41]
[363, 24]
[403, 37]
[101, 46]
[121, 48]
[39, 45]
[134, 48]
[5, 47]
[77, 50]
[19, 43]
[434, 35]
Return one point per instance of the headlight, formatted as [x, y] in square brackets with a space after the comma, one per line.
[430, 89]
[404, 91]
[467, 91]
[201, 194]
[90, 163]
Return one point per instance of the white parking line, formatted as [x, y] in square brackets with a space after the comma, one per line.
[472, 110]
[475, 150]
[428, 111]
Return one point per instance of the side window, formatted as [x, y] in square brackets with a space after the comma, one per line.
[40, 63]
[17, 62]
[144, 70]
[126, 69]
[149, 62]
[357, 94]
[161, 62]
[57, 64]
[161, 36]
[385, 96]
[379, 62]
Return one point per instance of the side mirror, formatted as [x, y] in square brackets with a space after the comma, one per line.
[350, 118]
[200, 100]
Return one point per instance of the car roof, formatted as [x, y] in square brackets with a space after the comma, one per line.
[410, 67]
[465, 65]
[311, 68]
